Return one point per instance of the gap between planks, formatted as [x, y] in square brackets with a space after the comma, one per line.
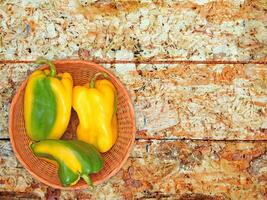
[182, 140]
[151, 61]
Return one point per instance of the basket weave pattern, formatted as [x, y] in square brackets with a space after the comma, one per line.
[45, 171]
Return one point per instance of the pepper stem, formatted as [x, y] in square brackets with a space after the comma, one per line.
[53, 70]
[87, 180]
[92, 81]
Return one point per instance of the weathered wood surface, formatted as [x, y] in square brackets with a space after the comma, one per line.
[192, 101]
[193, 30]
[198, 102]
[161, 170]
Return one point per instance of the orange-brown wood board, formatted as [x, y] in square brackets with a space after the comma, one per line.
[196, 72]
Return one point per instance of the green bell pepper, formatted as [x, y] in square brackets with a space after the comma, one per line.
[75, 159]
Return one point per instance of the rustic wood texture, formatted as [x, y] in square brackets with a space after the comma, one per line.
[193, 30]
[192, 101]
[202, 127]
[162, 169]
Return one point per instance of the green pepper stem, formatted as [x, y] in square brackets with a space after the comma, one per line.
[53, 70]
[92, 81]
[88, 180]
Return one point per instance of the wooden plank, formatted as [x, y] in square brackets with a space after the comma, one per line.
[187, 30]
[161, 170]
[193, 101]
[11, 76]
[200, 101]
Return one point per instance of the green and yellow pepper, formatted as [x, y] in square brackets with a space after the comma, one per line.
[75, 159]
[96, 106]
[47, 103]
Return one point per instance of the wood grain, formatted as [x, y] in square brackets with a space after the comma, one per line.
[192, 101]
[223, 99]
[134, 30]
[161, 170]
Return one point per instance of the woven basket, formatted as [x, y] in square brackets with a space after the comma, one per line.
[45, 171]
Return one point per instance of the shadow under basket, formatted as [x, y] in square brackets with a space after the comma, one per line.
[46, 172]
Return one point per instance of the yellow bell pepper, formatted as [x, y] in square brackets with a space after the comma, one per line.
[47, 103]
[96, 106]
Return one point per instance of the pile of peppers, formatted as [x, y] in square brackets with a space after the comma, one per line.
[49, 97]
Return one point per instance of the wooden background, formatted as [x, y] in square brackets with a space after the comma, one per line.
[197, 74]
